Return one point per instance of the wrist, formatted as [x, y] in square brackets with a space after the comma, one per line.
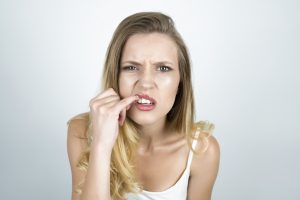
[101, 147]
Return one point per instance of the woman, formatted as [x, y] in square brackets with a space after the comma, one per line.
[139, 138]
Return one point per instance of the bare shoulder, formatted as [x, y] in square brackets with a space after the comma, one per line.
[210, 157]
[76, 145]
[77, 137]
[204, 170]
[78, 125]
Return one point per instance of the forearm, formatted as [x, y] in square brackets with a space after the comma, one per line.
[97, 182]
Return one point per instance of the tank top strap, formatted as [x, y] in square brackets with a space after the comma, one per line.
[190, 158]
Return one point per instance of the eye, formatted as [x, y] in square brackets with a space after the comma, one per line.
[164, 68]
[129, 68]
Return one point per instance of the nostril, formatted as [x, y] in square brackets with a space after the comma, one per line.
[146, 83]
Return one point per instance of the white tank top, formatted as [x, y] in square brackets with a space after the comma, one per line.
[176, 192]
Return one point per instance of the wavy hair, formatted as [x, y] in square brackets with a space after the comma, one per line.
[180, 118]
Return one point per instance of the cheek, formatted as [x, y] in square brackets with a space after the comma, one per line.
[169, 84]
[125, 85]
[168, 87]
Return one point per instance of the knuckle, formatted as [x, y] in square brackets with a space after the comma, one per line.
[110, 90]
[95, 105]
[91, 103]
[102, 110]
[125, 101]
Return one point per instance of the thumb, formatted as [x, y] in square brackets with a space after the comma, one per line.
[122, 117]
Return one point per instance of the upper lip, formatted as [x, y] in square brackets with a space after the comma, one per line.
[145, 96]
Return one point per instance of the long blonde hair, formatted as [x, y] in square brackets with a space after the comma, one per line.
[180, 118]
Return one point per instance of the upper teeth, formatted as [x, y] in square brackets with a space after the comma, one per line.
[144, 101]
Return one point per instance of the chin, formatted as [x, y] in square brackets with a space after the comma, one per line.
[143, 120]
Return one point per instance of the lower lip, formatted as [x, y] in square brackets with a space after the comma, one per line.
[144, 107]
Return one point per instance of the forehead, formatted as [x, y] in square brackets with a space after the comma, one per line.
[150, 46]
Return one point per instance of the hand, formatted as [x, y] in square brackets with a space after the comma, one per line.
[107, 112]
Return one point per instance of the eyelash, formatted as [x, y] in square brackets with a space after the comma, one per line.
[168, 68]
[129, 68]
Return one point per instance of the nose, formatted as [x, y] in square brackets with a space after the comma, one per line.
[146, 79]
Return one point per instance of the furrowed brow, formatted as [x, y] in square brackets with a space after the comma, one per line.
[163, 63]
[131, 62]
[154, 63]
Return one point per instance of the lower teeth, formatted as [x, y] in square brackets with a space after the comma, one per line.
[145, 103]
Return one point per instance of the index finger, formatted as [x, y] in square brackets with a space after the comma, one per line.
[105, 93]
[125, 102]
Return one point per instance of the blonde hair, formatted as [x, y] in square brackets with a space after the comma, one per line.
[180, 118]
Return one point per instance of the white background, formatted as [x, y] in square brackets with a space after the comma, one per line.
[245, 57]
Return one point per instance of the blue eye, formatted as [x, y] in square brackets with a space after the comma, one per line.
[164, 68]
[129, 68]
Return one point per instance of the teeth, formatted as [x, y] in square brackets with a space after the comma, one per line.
[144, 101]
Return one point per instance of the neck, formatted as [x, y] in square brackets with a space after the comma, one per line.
[153, 136]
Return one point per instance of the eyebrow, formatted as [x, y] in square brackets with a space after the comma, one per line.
[139, 64]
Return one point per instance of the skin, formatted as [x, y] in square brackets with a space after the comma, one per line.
[150, 56]
[149, 65]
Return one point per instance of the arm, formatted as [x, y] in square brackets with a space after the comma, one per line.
[204, 171]
[75, 145]
[96, 184]
[107, 113]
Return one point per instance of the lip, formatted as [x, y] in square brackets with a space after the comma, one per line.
[144, 96]
[144, 107]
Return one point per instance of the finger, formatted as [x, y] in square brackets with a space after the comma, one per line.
[122, 117]
[126, 102]
[109, 105]
[105, 93]
[129, 106]
[120, 107]
[105, 100]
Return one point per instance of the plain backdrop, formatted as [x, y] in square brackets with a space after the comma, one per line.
[245, 59]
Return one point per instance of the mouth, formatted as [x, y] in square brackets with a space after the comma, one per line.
[145, 99]
[145, 102]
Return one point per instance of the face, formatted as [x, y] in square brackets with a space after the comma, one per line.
[149, 66]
